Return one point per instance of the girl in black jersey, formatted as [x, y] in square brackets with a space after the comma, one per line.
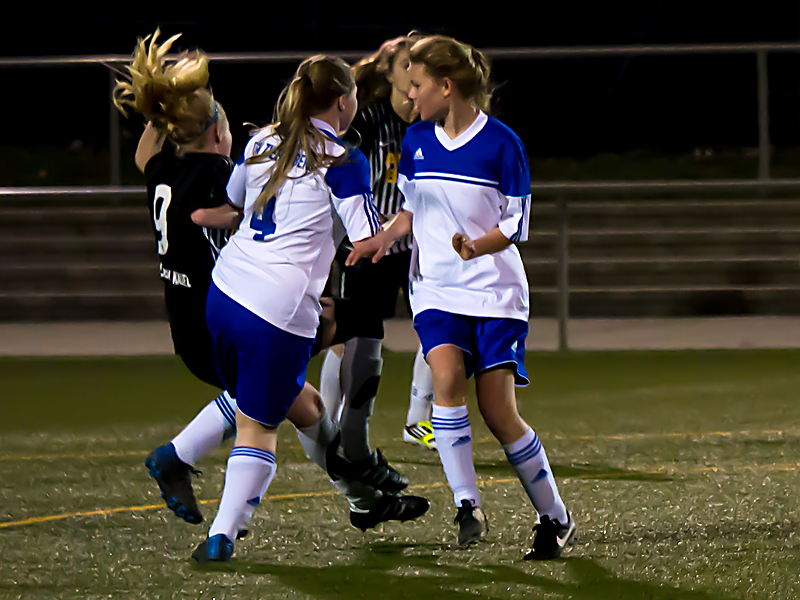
[191, 220]
[385, 112]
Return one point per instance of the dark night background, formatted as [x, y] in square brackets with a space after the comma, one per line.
[561, 107]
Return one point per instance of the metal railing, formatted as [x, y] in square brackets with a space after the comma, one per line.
[558, 190]
[759, 50]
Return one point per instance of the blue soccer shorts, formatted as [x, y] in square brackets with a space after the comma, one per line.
[263, 366]
[488, 343]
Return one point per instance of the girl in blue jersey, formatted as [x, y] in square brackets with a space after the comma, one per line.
[264, 301]
[467, 200]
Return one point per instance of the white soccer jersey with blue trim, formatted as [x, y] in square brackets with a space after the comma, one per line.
[277, 263]
[471, 184]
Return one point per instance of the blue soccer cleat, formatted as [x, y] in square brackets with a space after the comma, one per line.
[174, 478]
[217, 548]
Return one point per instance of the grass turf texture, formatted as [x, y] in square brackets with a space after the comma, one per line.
[680, 469]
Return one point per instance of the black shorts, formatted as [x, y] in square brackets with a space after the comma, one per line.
[377, 283]
[186, 312]
[192, 342]
[352, 318]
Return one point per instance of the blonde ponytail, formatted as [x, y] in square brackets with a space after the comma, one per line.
[317, 84]
[172, 94]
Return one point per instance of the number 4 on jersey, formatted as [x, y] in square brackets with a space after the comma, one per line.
[264, 223]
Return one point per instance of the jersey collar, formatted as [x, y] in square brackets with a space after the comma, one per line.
[323, 126]
[465, 136]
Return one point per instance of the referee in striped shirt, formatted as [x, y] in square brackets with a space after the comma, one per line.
[385, 112]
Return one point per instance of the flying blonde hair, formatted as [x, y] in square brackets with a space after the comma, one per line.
[170, 93]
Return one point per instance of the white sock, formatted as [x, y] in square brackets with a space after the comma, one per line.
[453, 436]
[419, 408]
[249, 473]
[317, 438]
[329, 387]
[528, 457]
[207, 430]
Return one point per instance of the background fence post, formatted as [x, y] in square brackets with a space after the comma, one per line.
[113, 136]
[763, 116]
[563, 274]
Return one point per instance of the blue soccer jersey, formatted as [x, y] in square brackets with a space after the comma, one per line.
[277, 263]
[471, 184]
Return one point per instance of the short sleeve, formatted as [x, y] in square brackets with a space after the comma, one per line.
[237, 183]
[405, 175]
[515, 191]
[352, 196]
[219, 172]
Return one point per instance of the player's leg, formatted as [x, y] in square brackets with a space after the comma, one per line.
[320, 440]
[446, 339]
[501, 344]
[360, 327]
[329, 381]
[418, 429]
[172, 465]
[268, 368]
[329, 384]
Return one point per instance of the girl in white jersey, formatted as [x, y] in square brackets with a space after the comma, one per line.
[264, 301]
[187, 193]
[467, 199]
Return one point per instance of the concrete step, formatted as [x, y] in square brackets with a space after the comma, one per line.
[98, 221]
[632, 214]
[677, 271]
[118, 248]
[73, 277]
[666, 242]
[89, 304]
[657, 301]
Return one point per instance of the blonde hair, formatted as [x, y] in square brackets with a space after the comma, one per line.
[467, 67]
[319, 81]
[371, 71]
[170, 93]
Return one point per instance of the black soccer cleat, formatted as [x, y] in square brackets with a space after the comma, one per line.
[550, 538]
[377, 473]
[471, 523]
[374, 471]
[217, 548]
[174, 478]
[390, 508]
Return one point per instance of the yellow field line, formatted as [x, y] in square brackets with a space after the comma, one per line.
[641, 471]
[109, 511]
[615, 437]
[80, 455]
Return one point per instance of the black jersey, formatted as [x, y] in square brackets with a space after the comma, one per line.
[176, 187]
[382, 132]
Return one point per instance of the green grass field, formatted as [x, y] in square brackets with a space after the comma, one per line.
[681, 469]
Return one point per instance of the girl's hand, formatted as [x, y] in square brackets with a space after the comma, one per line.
[375, 246]
[464, 246]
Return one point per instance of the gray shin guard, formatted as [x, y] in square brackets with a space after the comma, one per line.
[360, 375]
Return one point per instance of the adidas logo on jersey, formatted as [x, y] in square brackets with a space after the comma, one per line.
[418, 154]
